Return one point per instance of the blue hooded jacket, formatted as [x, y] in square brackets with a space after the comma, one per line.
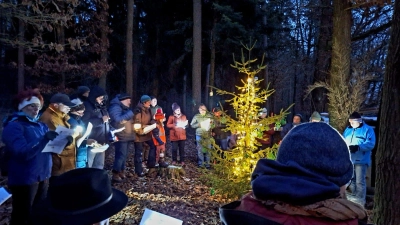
[364, 137]
[25, 141]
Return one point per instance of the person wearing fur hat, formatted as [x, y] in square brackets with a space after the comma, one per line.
[56, 115]
[297, 119]
[77, 124]
[159, 138]
[121, 116]
[28, 168]
[142, 118]
[96, 113]
[177, 123]
[361, 140]
[304, 185]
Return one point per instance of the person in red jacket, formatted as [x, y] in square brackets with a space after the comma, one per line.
[177, 134]
[159, 138]
[304, 185]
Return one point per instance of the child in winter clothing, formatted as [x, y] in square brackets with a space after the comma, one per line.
[177, 134]
[159, 138]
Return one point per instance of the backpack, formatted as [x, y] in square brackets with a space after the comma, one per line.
[4, 158]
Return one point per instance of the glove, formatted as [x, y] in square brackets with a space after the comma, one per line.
[160, 142]
[70, 140]
[50, 135]
[354, 148]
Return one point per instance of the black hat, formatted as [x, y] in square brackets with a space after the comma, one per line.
[123, 96]
[82, 90]
[355, 115]
[61, 98]
[80, 197]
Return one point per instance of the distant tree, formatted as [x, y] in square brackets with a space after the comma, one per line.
[197, 48]
[129, 50]
[387, 186]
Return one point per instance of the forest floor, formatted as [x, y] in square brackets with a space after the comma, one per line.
[187, 198]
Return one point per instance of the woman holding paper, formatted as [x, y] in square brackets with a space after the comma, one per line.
[177, 134]
[28, 168]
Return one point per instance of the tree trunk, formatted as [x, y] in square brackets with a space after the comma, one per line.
[387, 187]
[21, 56]
[319, 97]
[212, 64]
[104, 44]
[196, 70]
[129, 49]
[341, 50]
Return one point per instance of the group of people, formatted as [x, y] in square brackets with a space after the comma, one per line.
[34, 174]
[39, 181]
[318, 177]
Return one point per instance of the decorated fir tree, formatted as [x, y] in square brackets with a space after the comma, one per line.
[233, 168]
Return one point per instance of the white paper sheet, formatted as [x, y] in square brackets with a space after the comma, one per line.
[100, 149]
[182, 124]
[151, 217]
[4, 195]
[205, 124]
[149, 128]
[87, 132]
[58, 144]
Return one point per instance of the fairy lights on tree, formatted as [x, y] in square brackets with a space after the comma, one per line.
[233, 168]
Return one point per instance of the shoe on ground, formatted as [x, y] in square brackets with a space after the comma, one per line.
[182, 164]
[163, 164]
[116, 178]
[122, 174]
[142, 174]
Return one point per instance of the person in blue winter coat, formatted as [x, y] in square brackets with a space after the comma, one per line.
[361, 140]
[76, 123]
[121, 116]
[29, 169]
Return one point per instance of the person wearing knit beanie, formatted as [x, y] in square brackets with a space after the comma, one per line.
[175, 106]
[177, 124]
[315, 117]
[361, 141]
[145, 98]
[304, 185]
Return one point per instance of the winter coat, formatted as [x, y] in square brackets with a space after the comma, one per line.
[266, 138]
[81, 151]
[287, 128]
[142, 117]
[251, 211]
[94, 113]
[24, 140]
[159, 131]
[66, 160]
[176, 133]
[219, 125]
[121, 116]
[197, 119]
[364, 137]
